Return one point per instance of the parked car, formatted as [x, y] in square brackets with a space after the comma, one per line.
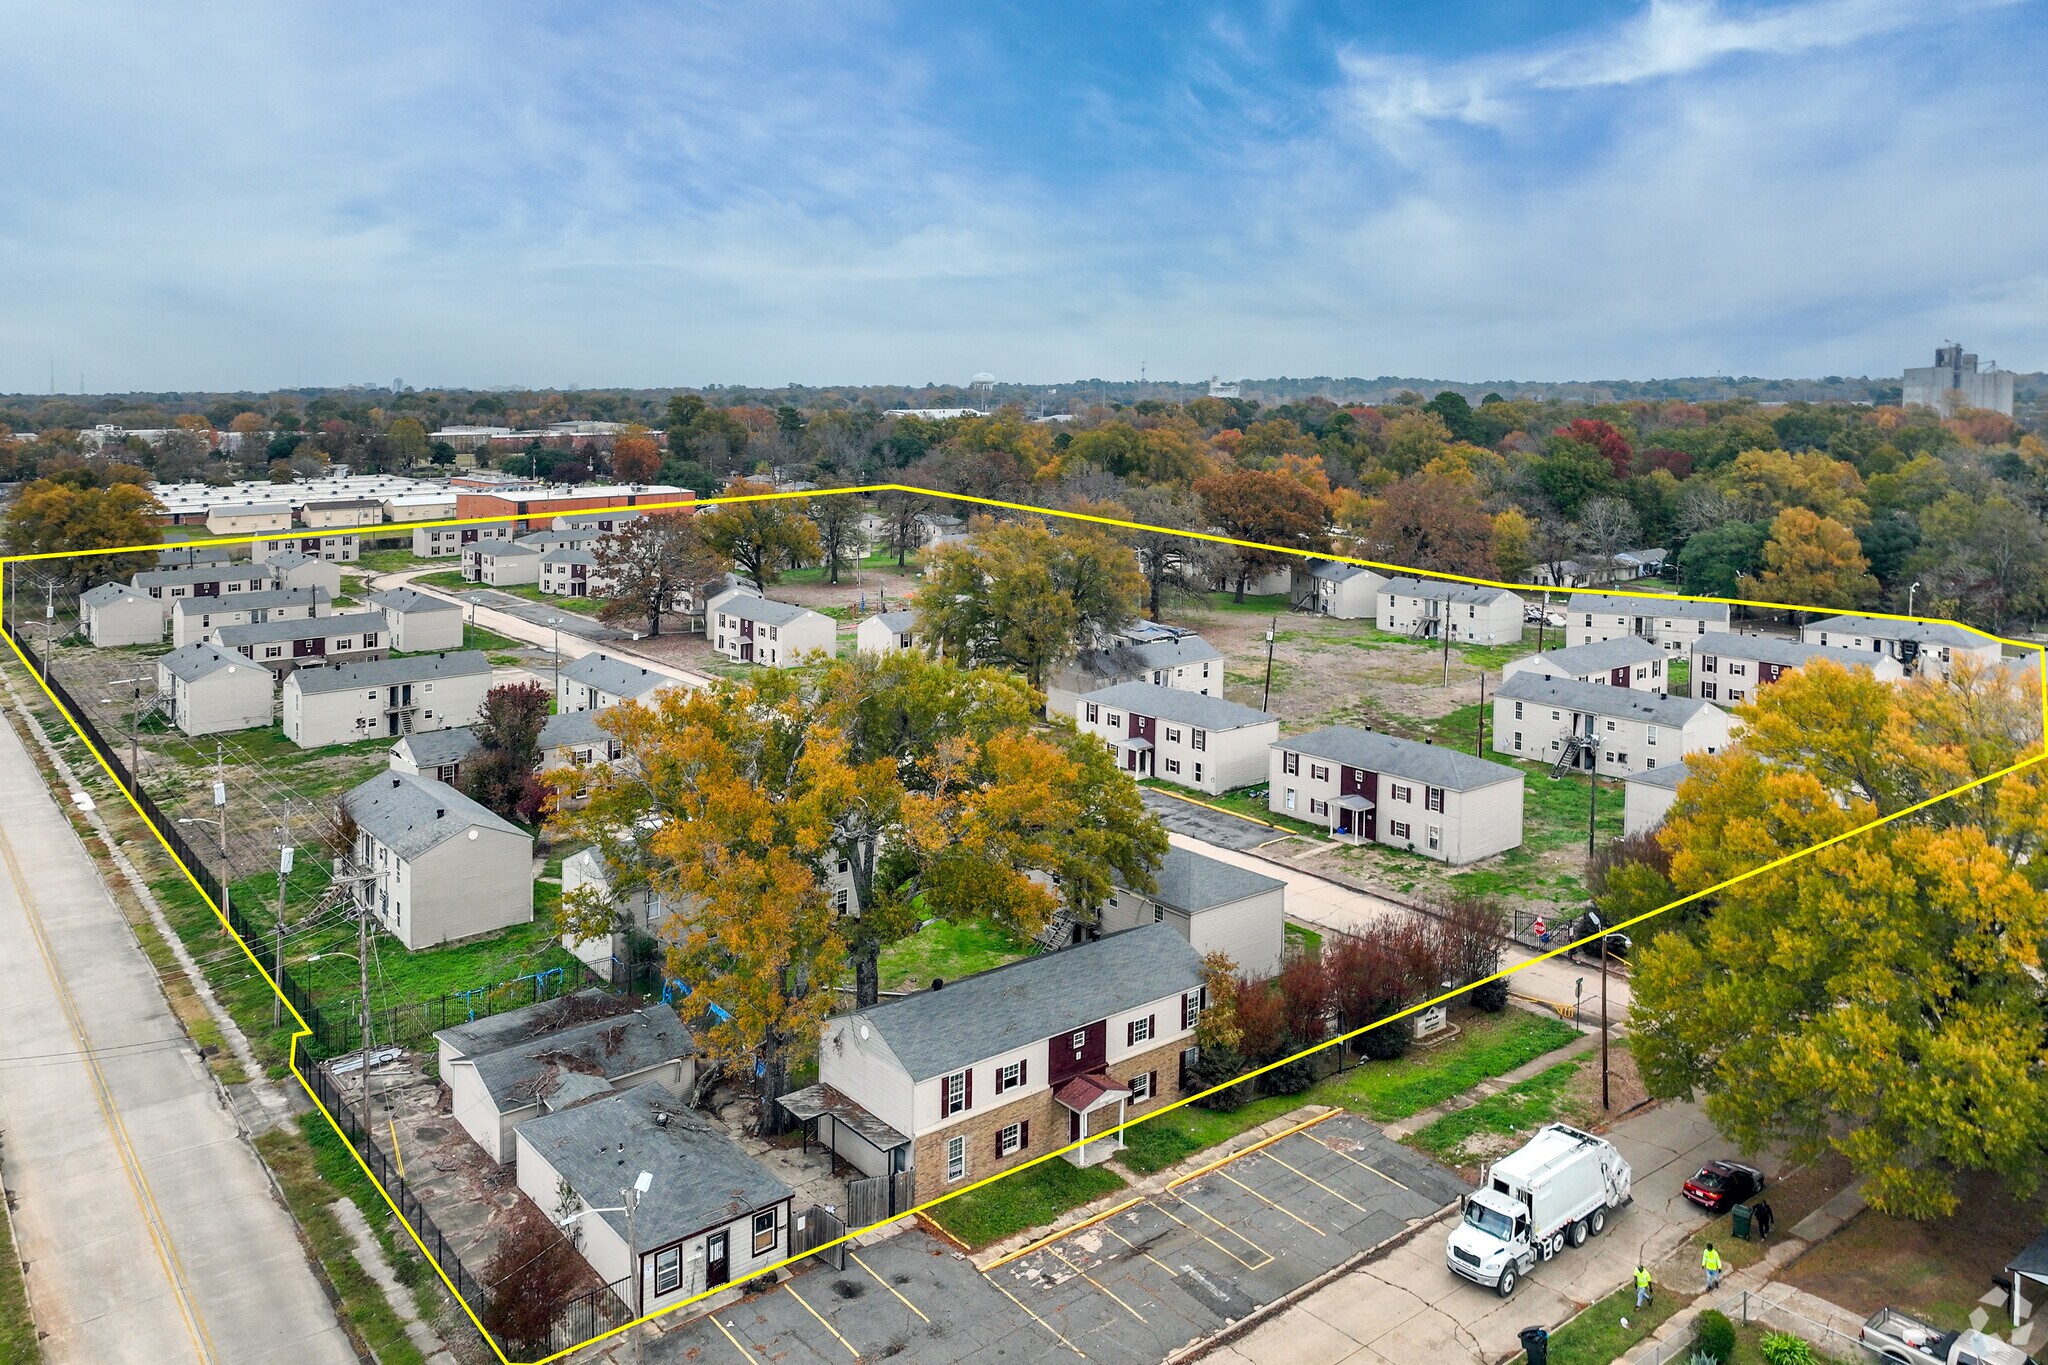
[1721, 1185]
[1896, 1339]
[1586, 940]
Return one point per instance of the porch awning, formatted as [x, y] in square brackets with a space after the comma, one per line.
[1353, 802]
[815, 1100]
[1085, 1093]
[1136, 743]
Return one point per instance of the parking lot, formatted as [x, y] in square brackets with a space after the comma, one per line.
[1152, 1276]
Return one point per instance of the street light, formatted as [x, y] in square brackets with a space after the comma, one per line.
[1909, 598]
[630, 1207]
[554, 625]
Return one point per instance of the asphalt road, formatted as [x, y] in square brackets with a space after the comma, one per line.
[1205, 825]
[147, 1225]
[571, 622]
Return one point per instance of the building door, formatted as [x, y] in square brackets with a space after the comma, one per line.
[1073, 1125]
[717, 1260]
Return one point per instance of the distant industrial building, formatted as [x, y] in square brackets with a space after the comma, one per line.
[1953, 381]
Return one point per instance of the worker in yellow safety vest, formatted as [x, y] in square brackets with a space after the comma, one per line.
[1711, 1259]
[1642, 1286]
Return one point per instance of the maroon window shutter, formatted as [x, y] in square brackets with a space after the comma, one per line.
[1151, 1026]
[1023, 1134]
[1131, 1033]
[1023, 1070]
[967, 1090]
[999, 1142]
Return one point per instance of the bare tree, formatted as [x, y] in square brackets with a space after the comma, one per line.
[1607, 526]
[841, 541]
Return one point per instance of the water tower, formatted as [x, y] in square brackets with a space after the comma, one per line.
[979, 390]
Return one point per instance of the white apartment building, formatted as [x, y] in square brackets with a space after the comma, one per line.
[1431, 610]
[1206, 743]
[1669, 622]
[1534, 718]
[1364, 786]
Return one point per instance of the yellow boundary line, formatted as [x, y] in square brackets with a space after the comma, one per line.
[471, 1311]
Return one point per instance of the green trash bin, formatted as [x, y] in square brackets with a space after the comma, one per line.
[1743, 1217]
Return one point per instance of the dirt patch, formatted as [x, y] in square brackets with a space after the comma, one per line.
[1624, 1087]
[1936, 1270]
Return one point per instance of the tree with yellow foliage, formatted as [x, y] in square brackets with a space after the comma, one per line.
[1812, 561]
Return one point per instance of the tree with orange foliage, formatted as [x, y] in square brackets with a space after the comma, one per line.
[1267, 510]
[635, 459]
[1433, 523]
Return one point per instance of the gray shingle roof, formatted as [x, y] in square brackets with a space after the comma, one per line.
[204, 573]
[572, 728]
[1601, 700]
[701, 1178]
[747, 607]
[1190, 882]
[503, 549]
[267, 600]
[111, 592]
[299, 627]
[554, 540]
[290, 559]
[432, 748]
[410, 600]
[456, 663]
[1663, 775]
[613, 676]
[410, 815]
[934, 1033]
[897, 622]
[478, 1036]
[1331, 572]
[196, 554]
[1775, 649]
[1623, 652]
[609, 1049]
[569, 554]
[1921, 632]
[1448, 592]
[189, 663]
[1432, 765]
[1678, 607]
[1171, 703]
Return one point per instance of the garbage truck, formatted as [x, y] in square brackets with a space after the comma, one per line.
[1559, 1189]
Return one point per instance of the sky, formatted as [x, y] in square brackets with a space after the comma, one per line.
[229, 195]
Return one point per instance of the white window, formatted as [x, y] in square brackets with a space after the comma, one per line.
[1651, 732]
[956, 1159]
[955, 1093]
[1652, 764]
[1158, 914]
[1141, 1029]
[1173, 765]
[1518, 741]
[1290, 762]
[1319, 772]
[1436, 836]
[1009, 1140]
[1198, 771]
[1398, 829]
[1290, 798]
[841, 899]
[1009, 1077]
[1318, 808]
[1078, 1041]
[1553, 715]
[1401, 793]
[668, 1270]
[1094, 712]
[1610, 727]
[764, 1232]
[1142, 1087]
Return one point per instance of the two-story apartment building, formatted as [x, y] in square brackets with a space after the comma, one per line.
[195, 618]
[1164, 656]
[1926, 649]
[1431, 610]
[1670, 623]
[285, 643]
[1732, 668]
[754, 630]
[115, 614]
[210, 690]
[337, 547]
[418, 622]
[323, 513]
[1182, 737]
[1366, 786]
[637, 911]
[432, 865]
[295, 569]
[438, 542]
[570, 571]
[1535, 718]
[1217, 907]
[1627, 661]
[887, 632]
[959, 1083]
[342, 703]
[166, 586]
[597, 680]
[501, 563]
[1348, 592]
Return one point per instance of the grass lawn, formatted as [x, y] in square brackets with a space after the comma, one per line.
[1273, 605]
[1301, 937]
[399, 978]
[450, 579]
[1520, 1109]
[1029, 1199]
[474, 637]
[1677, 672]
[1596, 1336]
[17, 1329]
[1491, 1045]
[947, 950]
[393, 561]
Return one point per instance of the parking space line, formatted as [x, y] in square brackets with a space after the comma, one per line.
[1100, 1285]
[1146, 1254]
[1227, 1228]
[745, 1354]
[1334, 1194]
[1266, 1199]
[1035, 1318]
[890, 1287]
[821, 1321]
[1368, 1165]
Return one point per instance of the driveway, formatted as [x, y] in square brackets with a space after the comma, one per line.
[1406, 1306]
[1206, 825]
[1131, 1287]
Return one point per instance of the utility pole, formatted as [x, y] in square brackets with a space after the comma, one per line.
[284, 870]
[220, 803]
[1444, 625]
[1267, 702]
[135, 738]
[363, 979]
[49, 620]
[1592, 790]
[632, 1194]
[1479, 744]
[1605, 1103]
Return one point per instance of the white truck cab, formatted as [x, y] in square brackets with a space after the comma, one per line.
[1557, 1190]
